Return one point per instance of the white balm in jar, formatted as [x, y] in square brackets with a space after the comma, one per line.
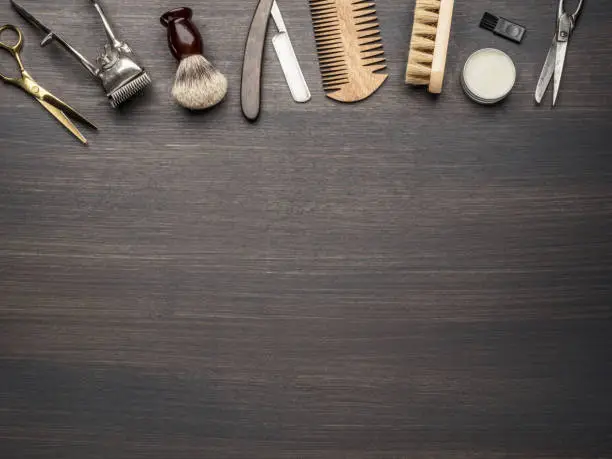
[488, 76]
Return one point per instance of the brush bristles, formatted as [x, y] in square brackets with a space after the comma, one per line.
[489, 22]
[198, 85]
[423, 41]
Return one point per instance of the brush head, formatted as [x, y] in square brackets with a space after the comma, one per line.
[503, 27]
[423, 42]
[429, 43]
[489, 22]
[198, 84]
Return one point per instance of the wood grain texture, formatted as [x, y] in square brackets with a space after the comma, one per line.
[410, 277]
[349, 46]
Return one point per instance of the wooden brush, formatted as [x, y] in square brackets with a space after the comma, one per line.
[198, 84]
[429, 43]
[350, 50]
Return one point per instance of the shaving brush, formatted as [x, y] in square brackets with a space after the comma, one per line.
[198, 84]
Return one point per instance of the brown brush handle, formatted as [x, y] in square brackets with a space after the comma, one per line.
[184, 38]
[250, 94]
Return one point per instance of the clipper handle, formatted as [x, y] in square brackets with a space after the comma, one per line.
[184, 38]
[107, 26]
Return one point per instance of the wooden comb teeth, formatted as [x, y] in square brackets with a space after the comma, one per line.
[349, 46]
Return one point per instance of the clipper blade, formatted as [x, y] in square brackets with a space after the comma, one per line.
[129, 90]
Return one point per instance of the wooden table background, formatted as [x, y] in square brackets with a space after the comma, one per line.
[409, 277]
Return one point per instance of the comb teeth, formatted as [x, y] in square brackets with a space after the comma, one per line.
[129, 90]
[349, 47]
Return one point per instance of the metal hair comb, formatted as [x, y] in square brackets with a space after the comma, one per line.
[118, 70]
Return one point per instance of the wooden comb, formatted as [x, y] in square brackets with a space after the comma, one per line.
[349, 46]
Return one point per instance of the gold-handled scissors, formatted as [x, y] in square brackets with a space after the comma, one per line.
[59, 109]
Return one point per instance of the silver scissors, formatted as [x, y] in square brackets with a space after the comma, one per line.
[555, 61]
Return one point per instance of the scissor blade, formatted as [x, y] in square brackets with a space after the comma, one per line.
[547, 72]
[67, 109]
[62, 118]
[28, 17]
[559, 64]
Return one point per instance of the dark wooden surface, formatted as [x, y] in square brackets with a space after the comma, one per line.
[408, 277]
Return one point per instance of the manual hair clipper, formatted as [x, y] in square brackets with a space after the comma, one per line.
[118, 70]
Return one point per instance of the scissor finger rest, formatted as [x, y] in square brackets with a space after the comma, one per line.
[15, 48]
[12, 49]
[576, 13]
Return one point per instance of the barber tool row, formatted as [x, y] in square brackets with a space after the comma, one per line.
[349, 48]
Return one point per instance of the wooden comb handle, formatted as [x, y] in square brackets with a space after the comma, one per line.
[250, 94]
[184, 38]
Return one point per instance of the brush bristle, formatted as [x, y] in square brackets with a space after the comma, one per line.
[198, 85]
[489, 21]
[423, 42]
